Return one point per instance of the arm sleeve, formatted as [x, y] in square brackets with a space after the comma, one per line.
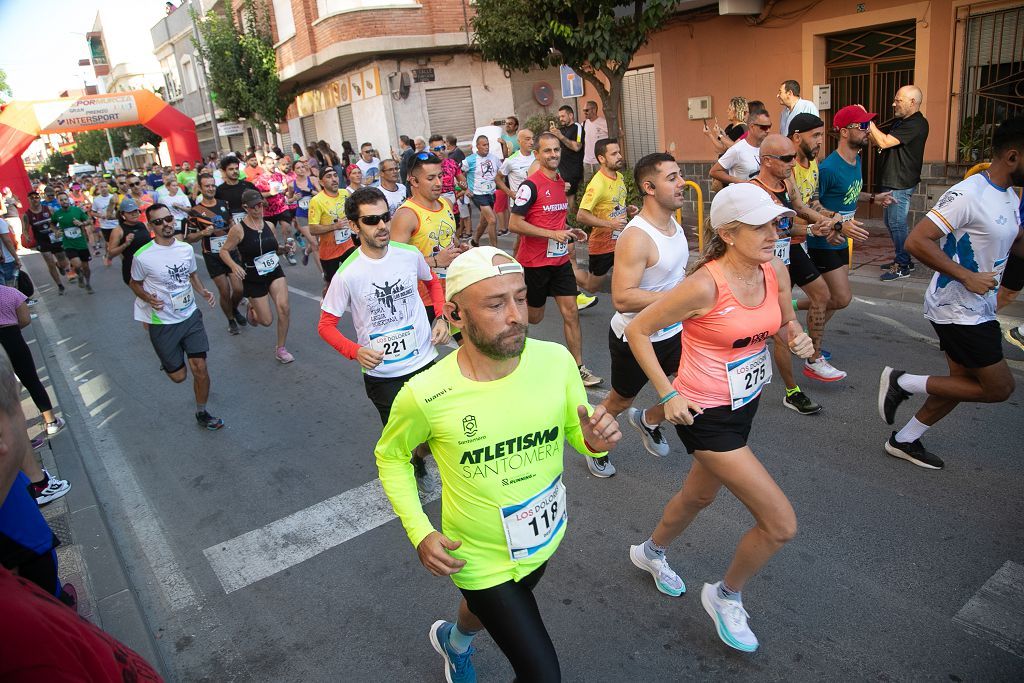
[525, 198]
[329, 332]
[576, 395]
[407, 428]
[952, 209]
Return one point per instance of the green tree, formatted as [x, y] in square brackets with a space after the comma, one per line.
[242, 64]
[597, 38]
[55, 164]
[5, 88]
[91, 147]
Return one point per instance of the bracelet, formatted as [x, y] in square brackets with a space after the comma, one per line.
[668, 397]
[871, 199]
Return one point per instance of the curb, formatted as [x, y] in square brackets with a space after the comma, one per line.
[95, 559]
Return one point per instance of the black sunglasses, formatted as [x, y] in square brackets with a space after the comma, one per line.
[784, 158]
[764, 126]
[159, 221]
[134, 184]
[374, 220]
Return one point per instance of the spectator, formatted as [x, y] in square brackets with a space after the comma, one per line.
[11, 263]
[572, 138]
[789, 98]
[594, 128]
[296, 151]
[406, 153]
[736, 113]
[314, 158]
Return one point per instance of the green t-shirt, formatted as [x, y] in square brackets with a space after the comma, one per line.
[187, 179]
[494, 460]
[73, 235]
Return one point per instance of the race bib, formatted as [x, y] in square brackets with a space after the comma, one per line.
[487, 186]
[342, 235]
[397, 345]
[782, 249]
[615, 234]
[304, 202]
[266, 263]
[533, 523]
[72, 232]
[670, 330]
[747, 376]
[216, 243]
[237, 217]
[276, 187]
[556, 248]
[183, 300]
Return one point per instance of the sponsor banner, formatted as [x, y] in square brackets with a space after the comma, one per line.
[85, 112]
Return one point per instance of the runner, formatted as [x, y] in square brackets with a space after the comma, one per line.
[165, 282]
[778, 158]
[172, 195]
[652, 253]
[605, 211]
[369, 165]
[377, 285]
[538, 214]
[231, 189]
[480, 169]
[510, 145]
[742, 161]
[272, 184]
[260, 270]
[300, 192]
[128, 237]
[840, 183]
[978, 223]
[39, 219]
[104, 211]
[209, 222]
[736, 297]
[186, 178]
[70, 222]
[396, 193]
[252, 169]
[327, 223]
[514, 461]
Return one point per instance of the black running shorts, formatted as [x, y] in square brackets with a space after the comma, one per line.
[628, 377]
[545, 281]
[719, 429]
[972, 346]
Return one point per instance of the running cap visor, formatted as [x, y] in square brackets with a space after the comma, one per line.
[746, 203]
[470, 267]
[849, 115]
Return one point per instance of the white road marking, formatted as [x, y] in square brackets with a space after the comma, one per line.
[598, 394]
[303, 293]
[134, 503]
[996, 612]
[1014, 364]
[284, 543]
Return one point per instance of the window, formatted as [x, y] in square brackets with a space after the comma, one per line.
[188, 74]
[328, 7]
[284, 19]
[172, 84]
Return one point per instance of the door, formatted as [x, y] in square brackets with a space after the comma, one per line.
[450, 112]
[867, 67]
[639, 114]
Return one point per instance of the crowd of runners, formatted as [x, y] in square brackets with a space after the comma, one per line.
[400, 254]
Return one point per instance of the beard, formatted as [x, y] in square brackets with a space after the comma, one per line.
[508, 344]
[863, 143]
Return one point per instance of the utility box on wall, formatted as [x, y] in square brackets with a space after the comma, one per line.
[698, 107]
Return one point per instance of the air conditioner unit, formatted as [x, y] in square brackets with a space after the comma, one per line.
[740, 7]
[399, 83]
[698, 107]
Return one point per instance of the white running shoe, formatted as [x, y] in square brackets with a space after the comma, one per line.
[822, 371]
[730, 619]
[667, 581]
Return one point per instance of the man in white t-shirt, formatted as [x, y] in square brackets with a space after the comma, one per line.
[481, 171]
[165, 282]
[493, 134]
[594, 128]
[742, 161]
[516, 167]
[789, 97]
[174, 197]
[369, 165]
[378, 284]
[966, 238]
[394, 191]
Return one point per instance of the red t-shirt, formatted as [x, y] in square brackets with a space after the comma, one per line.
[44, 640]
[542, 202]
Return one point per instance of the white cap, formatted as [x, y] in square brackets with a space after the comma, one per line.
[470, 267]
[747, 203]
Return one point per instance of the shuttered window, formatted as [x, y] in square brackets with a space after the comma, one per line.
[450, 112]
[348, 125]
[308, 130]
[286, 143]
[639, 114]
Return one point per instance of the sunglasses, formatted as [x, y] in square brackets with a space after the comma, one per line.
[784, 158]
[374, 220]
[863, 126]
[255, 206]
[763, 126]
[134, 184]
[428, 158]
[439, 148]
[168, 220]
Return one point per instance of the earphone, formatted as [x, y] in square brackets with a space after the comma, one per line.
[455, 312]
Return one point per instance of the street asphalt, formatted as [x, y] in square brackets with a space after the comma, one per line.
[897, 573]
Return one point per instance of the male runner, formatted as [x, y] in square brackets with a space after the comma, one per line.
[328, 224]
[840, 182]
[494, 463]
[71, 223]
[604, 209]
[978, 223]
[538, 214]
[39, 219]
[778, 158]
[231, 189]
[186, 178]
[742, 161]
[395, 192]
[209, 222]
[516, 166]
[165, 282]
[377, 284]
[104, 210]
[651, 255]
[368, 164]
[481, 169]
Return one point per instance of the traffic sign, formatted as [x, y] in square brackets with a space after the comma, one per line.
[572, 84]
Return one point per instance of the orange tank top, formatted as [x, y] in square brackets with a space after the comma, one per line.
[724, 360]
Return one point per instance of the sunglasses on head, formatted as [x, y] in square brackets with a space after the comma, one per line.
[428, 158]
[374, 220]
[160, 221]
[784, 158]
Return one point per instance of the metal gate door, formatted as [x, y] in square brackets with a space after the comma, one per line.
[867, 67]
[639, 114]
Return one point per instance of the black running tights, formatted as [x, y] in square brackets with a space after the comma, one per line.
[24, 366]
[509, 613]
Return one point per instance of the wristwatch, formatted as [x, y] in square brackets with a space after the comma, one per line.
[838, 225]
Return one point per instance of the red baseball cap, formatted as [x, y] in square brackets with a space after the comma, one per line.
[851, 114]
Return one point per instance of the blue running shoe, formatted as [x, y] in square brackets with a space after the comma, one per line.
[827, 355]
[458, 668]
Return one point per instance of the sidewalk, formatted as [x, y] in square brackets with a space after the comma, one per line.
[88, 557]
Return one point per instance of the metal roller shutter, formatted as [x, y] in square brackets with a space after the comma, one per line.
[308, 130]
[450, 111]
[348, 125]
[286, 142]
[639, 114]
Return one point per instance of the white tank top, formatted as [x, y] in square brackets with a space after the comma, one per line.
[666, 273]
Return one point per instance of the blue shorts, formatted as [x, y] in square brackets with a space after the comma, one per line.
[482, 200]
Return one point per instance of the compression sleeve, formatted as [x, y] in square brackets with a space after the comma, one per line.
[436, 293]
[407, 428]
[329, 332]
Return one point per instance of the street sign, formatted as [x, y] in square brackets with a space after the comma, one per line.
[228, 128]
[572, 84]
